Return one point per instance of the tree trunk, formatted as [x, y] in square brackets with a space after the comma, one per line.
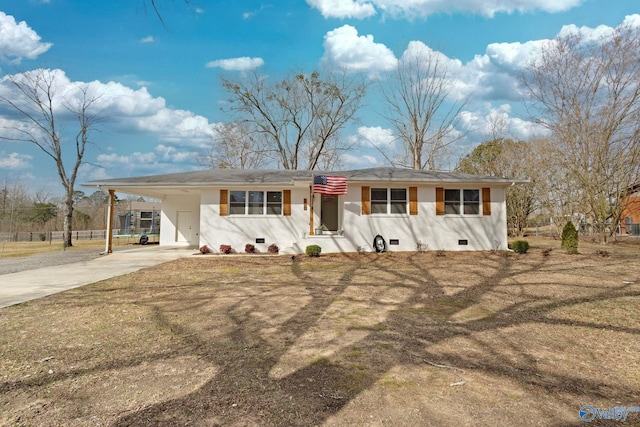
[68, 218]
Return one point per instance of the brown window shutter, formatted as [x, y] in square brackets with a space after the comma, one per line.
[486, 201]
[366, 200]
[286, 201]
[439, 201]
[413, 200]
[224, 202]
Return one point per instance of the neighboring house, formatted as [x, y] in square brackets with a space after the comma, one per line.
[630, 223]
[411, 209]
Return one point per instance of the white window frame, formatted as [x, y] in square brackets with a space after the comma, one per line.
[389, 202]
[250, 203]
[463, 202]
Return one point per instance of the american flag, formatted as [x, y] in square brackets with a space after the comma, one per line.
[330, 185]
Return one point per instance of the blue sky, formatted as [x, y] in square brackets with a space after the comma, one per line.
[161, 82]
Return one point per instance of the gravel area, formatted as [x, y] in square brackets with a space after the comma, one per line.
[46, 259]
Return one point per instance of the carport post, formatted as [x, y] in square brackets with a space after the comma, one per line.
[109, 236]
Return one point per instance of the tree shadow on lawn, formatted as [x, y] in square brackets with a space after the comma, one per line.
[316, 337]
[246, 391]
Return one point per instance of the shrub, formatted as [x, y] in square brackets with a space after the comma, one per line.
[273, 249]
[520, 246]
[249, 248]
[570, 238]
[313, 250]
[225, 249]
[204, 249]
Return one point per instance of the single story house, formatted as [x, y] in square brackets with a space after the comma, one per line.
[341, 211]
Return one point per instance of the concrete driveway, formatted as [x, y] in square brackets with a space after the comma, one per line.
[16, 288]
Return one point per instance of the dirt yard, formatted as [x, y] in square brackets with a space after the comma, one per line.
[395, 339]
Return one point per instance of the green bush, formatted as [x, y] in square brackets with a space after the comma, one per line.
[520, 246]
[570, 238]
[313, 250]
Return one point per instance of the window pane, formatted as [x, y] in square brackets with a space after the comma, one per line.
[472, 208]
[256, 203]
[379, 207]
[274, 197]
[471, 195]
[398, 200]
[274, 202]
[238, 197]
[451, 195]
[399, 194]
[378, 200]
[236, 202]
[379, 194]
[452, 202]
[399, 207]
[471, 202]
[451, 209]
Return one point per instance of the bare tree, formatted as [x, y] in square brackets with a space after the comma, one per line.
[513, 159]
[154, 4]
[39, 107]
[587, 93]
[420, 109]
[297, 120]
[14, 203]
[234, 147]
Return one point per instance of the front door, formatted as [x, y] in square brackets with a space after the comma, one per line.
[329, 213]
[183, 230]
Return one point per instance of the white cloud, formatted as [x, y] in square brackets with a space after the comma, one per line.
[18, 40]
[376, 136]
[346, 50]
[122, 108]
[360, 161]
[14, 161]
[173, 154]
[411, 9]
[165, 159]
[243, 63]
[482, 123]
[358, 9]
[148, 39]
[601, 31]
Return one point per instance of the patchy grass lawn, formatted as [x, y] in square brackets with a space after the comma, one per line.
[22, 249]
[401, 339]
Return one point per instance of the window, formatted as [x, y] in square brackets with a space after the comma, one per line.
[255, 202]
[465, 202]
[378, 200]
[451, 202]
[388, 200]
[274, 203]
[237, 200]
[471, 202]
